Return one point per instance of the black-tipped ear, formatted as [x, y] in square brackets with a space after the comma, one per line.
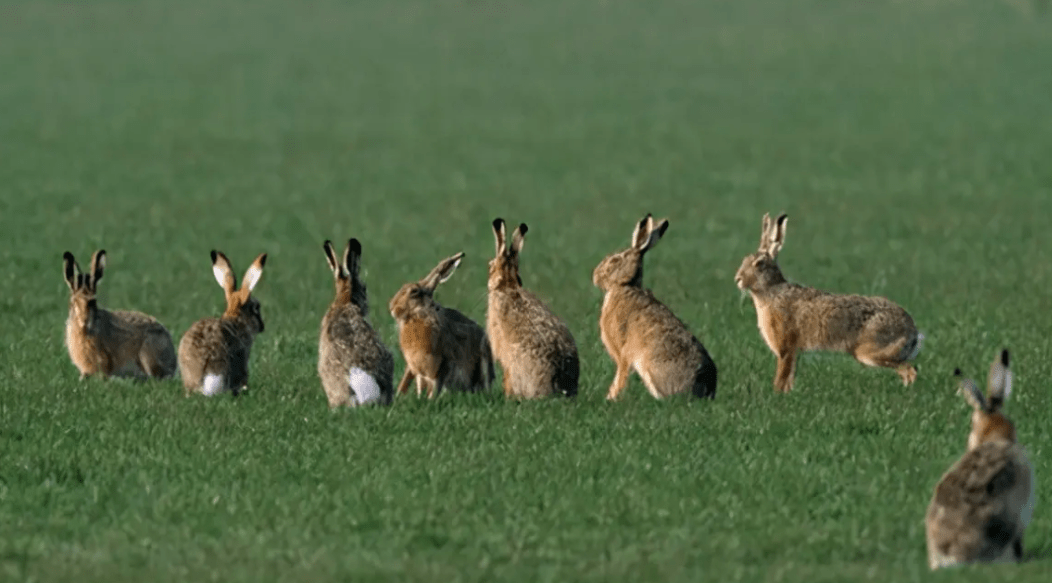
[518, 238]
[330, 257]
[499, 235]
[215, 255]
[956, 372]
[1004, 357]
[71, 271]
[98, 267]
[352, 257]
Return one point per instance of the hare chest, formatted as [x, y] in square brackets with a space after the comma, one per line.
[765, 319]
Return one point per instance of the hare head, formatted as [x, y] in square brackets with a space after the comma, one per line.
[349, 286]
[759, 270]
[988, 423]
[625, 268]
[419, 296]
[82, 286]
[504, 267]
[240, 305]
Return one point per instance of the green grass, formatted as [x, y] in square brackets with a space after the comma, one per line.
[908, 141]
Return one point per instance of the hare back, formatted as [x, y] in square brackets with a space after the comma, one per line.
[216, 346]
[348, 341]
[824, 321]
[979, 506]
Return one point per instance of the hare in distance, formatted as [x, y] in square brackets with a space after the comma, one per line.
[214, 352]
[442, 347]
[983, 504]
[355, 366]
[640, 332]
[793, 318]
[533, 346]
[117, 343]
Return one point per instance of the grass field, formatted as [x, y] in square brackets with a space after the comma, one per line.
[908, 141]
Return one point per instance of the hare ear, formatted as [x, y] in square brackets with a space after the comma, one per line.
[777, 235]
[764, 230]
[518, 238]
[71, 271]
[252, 275]
[500, 235]
[655, 234]
[98, 265]
[334, 264]
[224, 274]
[641, 233]
[970, 391]
[352, 258]
[999, 383]
[443, 271]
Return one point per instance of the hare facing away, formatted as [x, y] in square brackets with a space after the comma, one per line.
[982, 505]
[119, 343]
[214, 352]
[355, 366]
[640, 332]
[794, 318]
[533, 346]
[442, 347]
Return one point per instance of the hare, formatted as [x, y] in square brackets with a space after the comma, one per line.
[534, 347]
[794, 318]
[355, 366]
[640, 332]
[441, 345]
[982, 505]
[214, 352]
[118, 343]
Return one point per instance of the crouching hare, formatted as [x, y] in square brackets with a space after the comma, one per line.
[640, 332]
[533, 346]
[355, 366]
[794, 318]
[214, 352]
[442, 347]
[982, 505]
[120, 343]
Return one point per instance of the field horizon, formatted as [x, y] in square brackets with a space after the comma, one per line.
[907, 141]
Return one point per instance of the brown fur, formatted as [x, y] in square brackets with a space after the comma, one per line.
[640, 332]
[793, 318]
[347, 339]
[533, 346]
[222, 346]
[118, 343]
[983, 504]
[442, 347]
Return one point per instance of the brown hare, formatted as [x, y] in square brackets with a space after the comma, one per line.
[119, 343]
[533, 346]
[982, 505]
[794, 318]
[355, 366]
[640, 332]
[214, 352]
[442, 347]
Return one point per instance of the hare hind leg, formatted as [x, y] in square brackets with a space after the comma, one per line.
[886, 356]
[620, 379]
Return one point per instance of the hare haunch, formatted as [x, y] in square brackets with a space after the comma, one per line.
[794, 318]
[982, 505]
[119, 343]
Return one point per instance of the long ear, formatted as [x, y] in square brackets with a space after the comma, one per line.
[98, 265]
[518, 238]
[970, 391]
[334, 264]
[71, 271]
[352, 258]
[500, 235]
[252, 275]
[777, 235]
[224, 274]
[443, 271]
[655, 234]
[765, 239]
[642, 232]
[999, 383]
